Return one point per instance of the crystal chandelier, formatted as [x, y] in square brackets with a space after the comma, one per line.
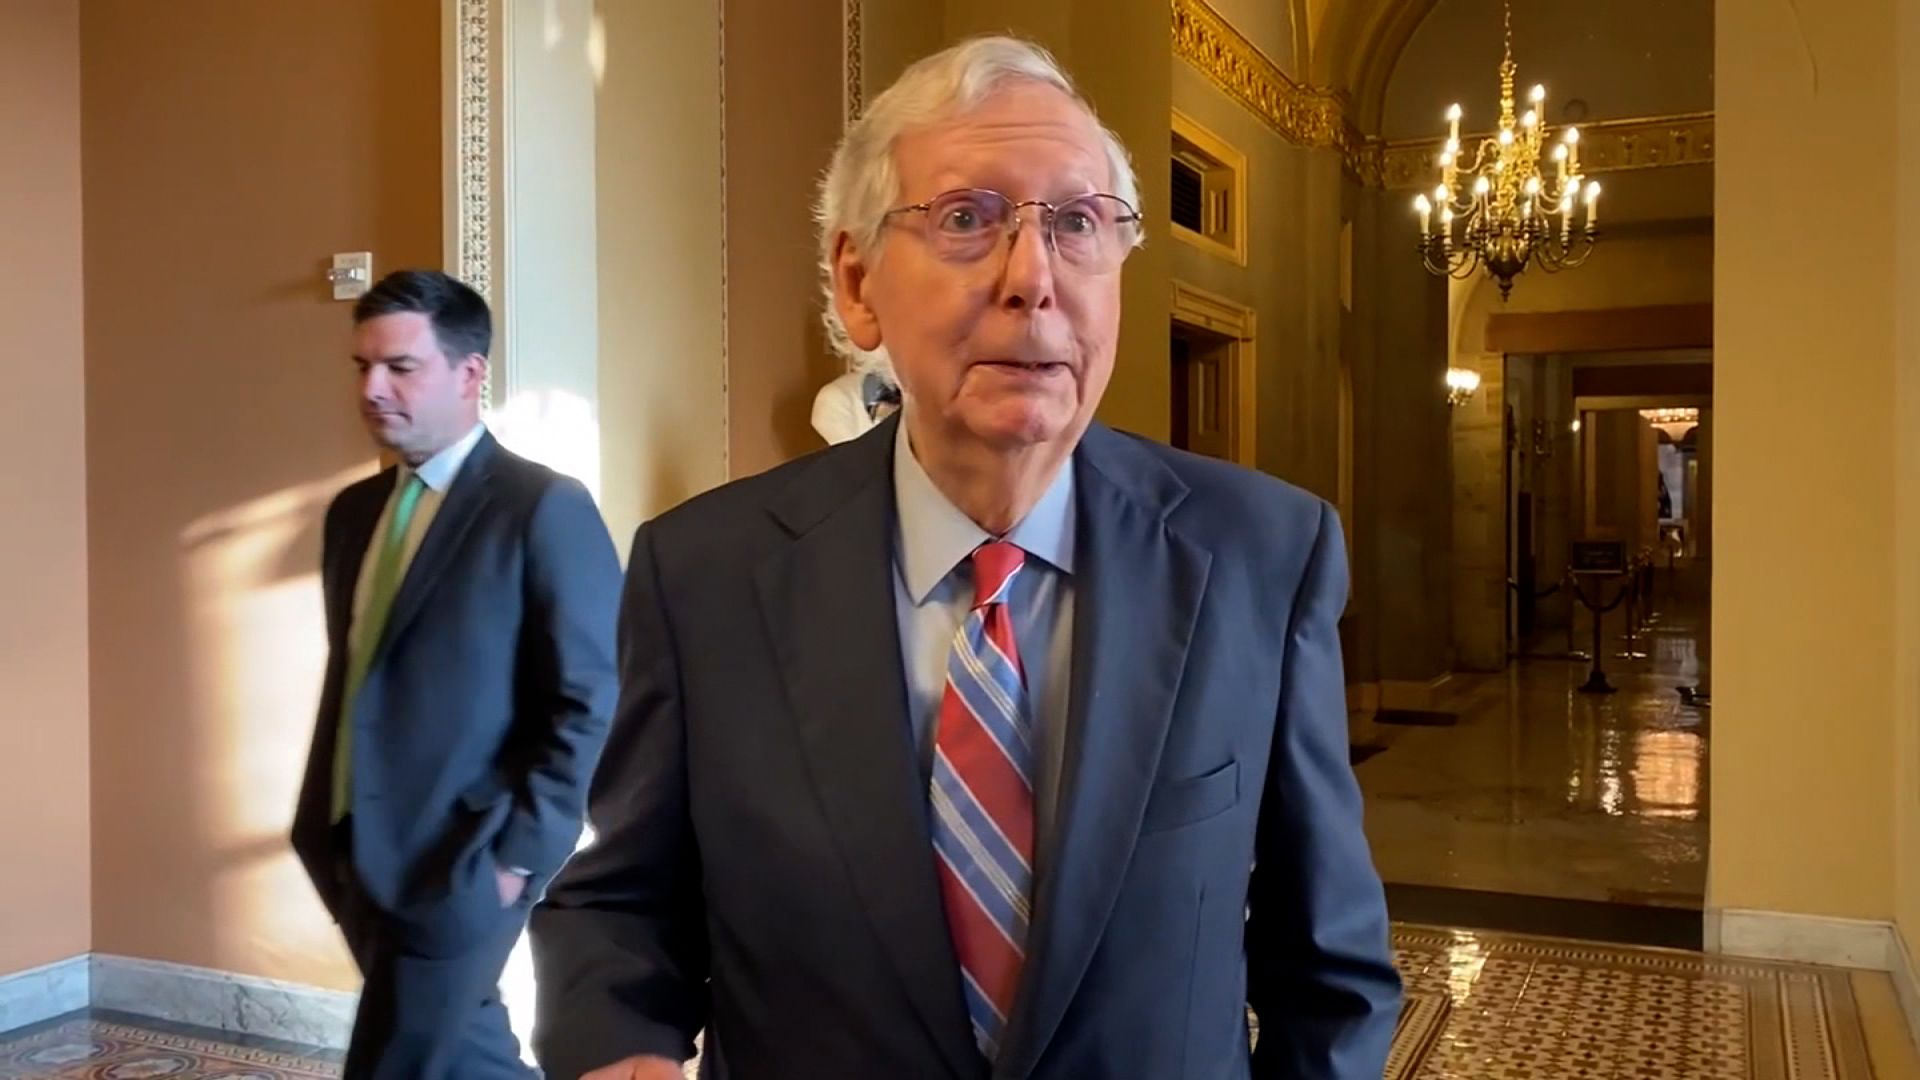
[1498, 210]
[1675, 422]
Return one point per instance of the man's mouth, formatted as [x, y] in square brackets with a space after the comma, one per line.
[1029, 366]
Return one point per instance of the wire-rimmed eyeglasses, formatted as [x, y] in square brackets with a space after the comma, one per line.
[1092, 233]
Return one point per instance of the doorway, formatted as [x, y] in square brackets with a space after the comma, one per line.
[1211, 377]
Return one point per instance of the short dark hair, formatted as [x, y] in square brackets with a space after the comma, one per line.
[461, 321]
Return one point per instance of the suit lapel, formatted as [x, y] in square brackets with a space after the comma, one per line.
[470, 493]
[828, 600]
[349, 550]
[1135, 604]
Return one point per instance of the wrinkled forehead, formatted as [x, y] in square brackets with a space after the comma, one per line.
[1025, 139]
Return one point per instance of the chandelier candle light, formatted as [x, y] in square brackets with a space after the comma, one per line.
[1498, 210]
[1462, 383]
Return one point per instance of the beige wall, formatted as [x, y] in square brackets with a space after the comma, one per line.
[1906, 573]
[1623, 272]
[663, 393]
[1122, 56]
[1619, 466]
[1804, 772]
[893, 34]
[1294, 296]
[228, 149]
[1479, 459]
[783, 117]
[43, 551]
[1403, 495]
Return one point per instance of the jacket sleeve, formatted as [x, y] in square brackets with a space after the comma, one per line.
[619, 943]
[572, 588]
[1320, 972]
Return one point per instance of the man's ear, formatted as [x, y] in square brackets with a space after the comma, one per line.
[473, 375]
[850, 294]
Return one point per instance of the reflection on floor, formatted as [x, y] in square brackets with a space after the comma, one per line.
[1479, 1007]
[1539, 789]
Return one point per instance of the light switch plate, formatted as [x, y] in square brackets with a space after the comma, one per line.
[352, 274]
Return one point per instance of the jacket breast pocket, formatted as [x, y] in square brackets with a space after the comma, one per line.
[1191, 800]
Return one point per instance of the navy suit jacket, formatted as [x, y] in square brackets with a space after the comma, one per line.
[486, 703]
[763, 868]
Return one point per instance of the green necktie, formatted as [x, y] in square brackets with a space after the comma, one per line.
[366, 632]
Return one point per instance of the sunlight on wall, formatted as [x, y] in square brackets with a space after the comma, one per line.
[555, 428]
[257, 648]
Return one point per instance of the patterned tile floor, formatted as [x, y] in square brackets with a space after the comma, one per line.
[105, 1045]
[1480, 1007]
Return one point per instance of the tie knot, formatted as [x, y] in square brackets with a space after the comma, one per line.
[994, 564]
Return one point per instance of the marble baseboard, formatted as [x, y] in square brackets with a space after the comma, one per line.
[224, 1001]
[1802, 939]
[1906, 982]
[42, 993]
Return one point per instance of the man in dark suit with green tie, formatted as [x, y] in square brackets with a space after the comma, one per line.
[471, 601]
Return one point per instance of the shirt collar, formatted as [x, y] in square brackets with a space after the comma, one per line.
[935, 535]
[438, 471]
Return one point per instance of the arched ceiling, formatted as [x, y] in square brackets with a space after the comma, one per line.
[1400, 60]
[1617, 60]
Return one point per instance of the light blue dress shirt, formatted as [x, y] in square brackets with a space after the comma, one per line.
[933, 592]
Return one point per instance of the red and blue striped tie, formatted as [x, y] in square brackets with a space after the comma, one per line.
[982, 797]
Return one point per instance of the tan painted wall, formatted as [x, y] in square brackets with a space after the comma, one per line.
[893, 34]
[1479, 458]
[1804, 615]
[1906, 573]
[783, 117]
[1288, 282]
[1403, 493]
[43, 551]
[663, 398]
[228, 149]
[1624, 272]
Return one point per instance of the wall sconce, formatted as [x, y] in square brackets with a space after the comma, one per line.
[1461, 385]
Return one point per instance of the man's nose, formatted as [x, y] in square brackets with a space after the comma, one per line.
[1026, 282]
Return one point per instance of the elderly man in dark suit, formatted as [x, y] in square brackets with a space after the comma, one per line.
[471, 600]
[994, 743]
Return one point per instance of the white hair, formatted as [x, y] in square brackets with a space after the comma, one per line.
[862, 183]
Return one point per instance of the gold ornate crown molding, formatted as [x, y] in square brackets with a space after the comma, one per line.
[1316, 118]
[1303, 115]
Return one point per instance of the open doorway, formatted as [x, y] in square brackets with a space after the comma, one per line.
[1537, 798]
[1210, 353]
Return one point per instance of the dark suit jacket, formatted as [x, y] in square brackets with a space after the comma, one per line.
[487, 701]
[763, 866]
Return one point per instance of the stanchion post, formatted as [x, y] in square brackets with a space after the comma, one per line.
[1597, 674]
